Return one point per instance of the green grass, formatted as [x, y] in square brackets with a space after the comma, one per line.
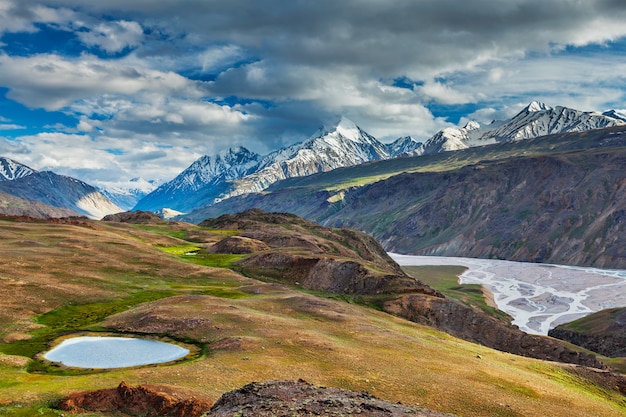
[596, 323]
[446, 280]
[180, 250]
[199, 256]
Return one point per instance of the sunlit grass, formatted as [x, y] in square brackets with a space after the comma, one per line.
[446, 280]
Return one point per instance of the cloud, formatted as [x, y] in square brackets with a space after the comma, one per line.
[10, 126]
[277, 69]
[113, 36]
[53, 82]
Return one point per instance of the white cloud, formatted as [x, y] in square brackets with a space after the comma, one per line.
[113, 36]
[10, 126]
[54, 82]
[441, 93]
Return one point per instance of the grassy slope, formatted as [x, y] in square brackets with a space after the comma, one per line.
[275, 333]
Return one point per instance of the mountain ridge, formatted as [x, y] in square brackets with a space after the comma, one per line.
[346, 144]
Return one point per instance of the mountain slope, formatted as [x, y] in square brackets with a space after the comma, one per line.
[15, 206]
[60, 191]
[202, 182]
[253, 331]
[11, 170]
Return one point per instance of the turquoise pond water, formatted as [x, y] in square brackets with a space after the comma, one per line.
[103, 352]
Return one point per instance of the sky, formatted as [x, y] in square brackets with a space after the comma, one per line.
[107, 91]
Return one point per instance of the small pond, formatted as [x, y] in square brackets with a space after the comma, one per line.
[104, 352]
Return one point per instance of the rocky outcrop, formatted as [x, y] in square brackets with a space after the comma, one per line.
[258, 399]
[288, 232]
[299, 398]
[330, 275]
[238, 245]
[474, 325]
[135, 401]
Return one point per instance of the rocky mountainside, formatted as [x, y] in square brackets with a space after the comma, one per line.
[536, 119]
[563, 203]
[62, 192]
[11, 170]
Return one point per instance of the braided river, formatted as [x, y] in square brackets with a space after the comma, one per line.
[537, 296]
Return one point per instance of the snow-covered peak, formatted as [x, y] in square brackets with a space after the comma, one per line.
[12, 170]
[348, 129]
[536, 106]
[403, 146]
[472, 125]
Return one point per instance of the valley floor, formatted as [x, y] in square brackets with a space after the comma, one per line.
[538, 296]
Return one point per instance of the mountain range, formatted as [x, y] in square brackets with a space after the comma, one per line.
[238, 171]
[213, 179]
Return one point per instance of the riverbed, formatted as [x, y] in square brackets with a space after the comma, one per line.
[537, 296]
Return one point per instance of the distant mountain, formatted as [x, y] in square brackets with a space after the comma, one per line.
[11, 170]
[536, 119]
[126, 196]
[202, 182]
[239, 171]
[403, 146]
[60, 191]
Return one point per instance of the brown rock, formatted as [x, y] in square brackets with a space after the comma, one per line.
[135, 401]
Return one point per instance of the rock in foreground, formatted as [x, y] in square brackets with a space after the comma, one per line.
[274, 398]
[299, 398]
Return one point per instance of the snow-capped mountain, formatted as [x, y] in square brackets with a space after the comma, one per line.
[344, 144]
[61, 191]
[201, 182]
[239, 171]
[11, 170]
[403, 146]
[127, 195]
[536, 119]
